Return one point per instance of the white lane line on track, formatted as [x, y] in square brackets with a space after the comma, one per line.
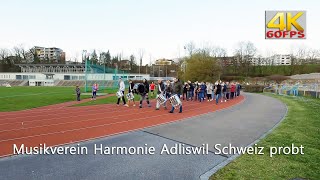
[108, 124]
[74, 109]
[84, 115]
[87, 120]
[112, 109]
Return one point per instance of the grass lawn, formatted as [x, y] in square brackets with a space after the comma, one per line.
[26, 97]
[301, 127]
[111, 100]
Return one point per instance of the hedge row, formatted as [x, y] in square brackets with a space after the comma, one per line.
[253, 88]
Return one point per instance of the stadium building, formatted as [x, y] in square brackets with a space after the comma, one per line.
[66, 75]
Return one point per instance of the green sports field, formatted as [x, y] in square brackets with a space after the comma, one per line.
[25, 97]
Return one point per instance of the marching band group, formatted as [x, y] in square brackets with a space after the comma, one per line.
[173, 91]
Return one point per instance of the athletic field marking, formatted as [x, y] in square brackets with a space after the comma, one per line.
[31, 94]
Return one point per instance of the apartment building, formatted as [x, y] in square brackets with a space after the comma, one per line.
[51, 54]
[281, 59]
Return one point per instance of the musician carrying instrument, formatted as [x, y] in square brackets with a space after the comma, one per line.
[141, 89]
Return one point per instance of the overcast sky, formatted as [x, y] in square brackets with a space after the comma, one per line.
[160, 27]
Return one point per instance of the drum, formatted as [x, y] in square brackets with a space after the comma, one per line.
[119, 94]
[161, 99]
[130, 96]
[175, 100]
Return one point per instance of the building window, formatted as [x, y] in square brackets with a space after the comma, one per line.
[74, 77]
[66, 77]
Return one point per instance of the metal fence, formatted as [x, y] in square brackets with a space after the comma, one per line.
[312, 90]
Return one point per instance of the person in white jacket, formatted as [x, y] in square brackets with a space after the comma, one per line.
[122, 88]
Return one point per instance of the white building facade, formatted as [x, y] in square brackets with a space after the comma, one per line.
[275, 60]
[281, 59]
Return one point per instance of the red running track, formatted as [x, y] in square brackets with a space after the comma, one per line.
[60, 124]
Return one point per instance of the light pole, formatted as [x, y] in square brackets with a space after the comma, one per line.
[85, 69]
[84, 52]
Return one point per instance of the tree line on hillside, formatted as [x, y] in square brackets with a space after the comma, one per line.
[212, 63]
[205, 63]
[118, 61]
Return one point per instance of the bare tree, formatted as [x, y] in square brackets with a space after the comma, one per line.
[5, 57]
[245, 53]
[206, 48]
[250, 49]
[218, 51]
[190, 47]
[313, 55]
[299, 55]
[4, 54]
[269, 59]
[34, 54]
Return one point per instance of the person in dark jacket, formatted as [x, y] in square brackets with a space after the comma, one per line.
[190, 91]
[160, 91]
[202, 89]
[218, 91]
[185, 91]
[78, 92]
[168, 89]
[196, 90]
[238, 89]
[144, 95]
[177, 89]
[224, 92]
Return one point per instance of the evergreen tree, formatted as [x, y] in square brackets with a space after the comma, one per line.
[94, 57]
[108, 59]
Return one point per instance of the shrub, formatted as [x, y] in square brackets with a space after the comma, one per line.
[253, 88]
